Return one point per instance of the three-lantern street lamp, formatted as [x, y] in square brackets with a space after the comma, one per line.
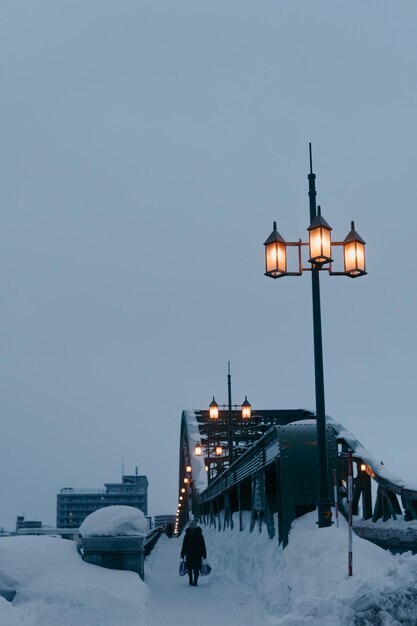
[320, 246]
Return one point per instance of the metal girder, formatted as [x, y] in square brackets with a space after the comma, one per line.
[277, 473]
[298, 486]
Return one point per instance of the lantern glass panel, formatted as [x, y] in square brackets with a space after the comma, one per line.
[360, 256]
[198, 450]
[320, 245]
[246, 412]
[350, 257]
[214, 410]
[276, 258]
[246, 409]
[219, 449]
[354, 252]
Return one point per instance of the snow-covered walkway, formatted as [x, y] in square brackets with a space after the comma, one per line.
[254, 582]
[216, 600]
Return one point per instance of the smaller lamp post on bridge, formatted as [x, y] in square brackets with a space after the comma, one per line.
[246, 412]
[207, 449]
[320, 248]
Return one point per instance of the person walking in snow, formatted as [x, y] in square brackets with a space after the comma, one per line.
[194, 551]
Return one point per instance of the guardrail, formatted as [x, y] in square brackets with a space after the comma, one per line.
[122, 553]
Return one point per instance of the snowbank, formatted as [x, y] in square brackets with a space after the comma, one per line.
[197, 462]
[253, 581]
[307, 583]
[114, 521]
[54, 586]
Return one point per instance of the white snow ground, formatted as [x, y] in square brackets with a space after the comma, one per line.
[56, 588]
[307, 583]
[216, 600]
[253, 582]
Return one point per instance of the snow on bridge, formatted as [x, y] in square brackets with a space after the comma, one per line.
[254, 582]
[274, 470]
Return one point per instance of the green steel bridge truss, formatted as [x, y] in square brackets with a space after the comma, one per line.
[274, 476]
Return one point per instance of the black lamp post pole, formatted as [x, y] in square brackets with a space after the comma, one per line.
[229, 417]
[324, 503]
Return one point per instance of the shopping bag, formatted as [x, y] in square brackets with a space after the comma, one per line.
[205, 569]
[182, 569]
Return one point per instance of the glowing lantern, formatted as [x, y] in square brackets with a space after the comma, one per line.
[218, 449]
[188, 469]
[275, 255]
[246, 409]
[320, 241]
[198, 449]
[354, 254]
[214, 410]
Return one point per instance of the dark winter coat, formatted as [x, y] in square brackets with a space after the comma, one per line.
[193, 548]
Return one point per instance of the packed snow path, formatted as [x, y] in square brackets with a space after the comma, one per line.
[216, 600]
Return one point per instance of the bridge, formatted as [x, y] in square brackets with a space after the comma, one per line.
[273, 474]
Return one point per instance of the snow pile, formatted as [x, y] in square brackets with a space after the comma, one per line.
[254, 582]
[54, 586]
[307, 583]
[368, 458]
[197, 462]
[114, 521]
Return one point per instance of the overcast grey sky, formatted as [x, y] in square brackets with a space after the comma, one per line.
[145, 149]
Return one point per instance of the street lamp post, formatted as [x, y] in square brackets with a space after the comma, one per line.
[229, 415]
[324, 503]
[320, 248]
[245, 408]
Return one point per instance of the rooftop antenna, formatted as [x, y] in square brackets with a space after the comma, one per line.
[123, 465]
[136, 470]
